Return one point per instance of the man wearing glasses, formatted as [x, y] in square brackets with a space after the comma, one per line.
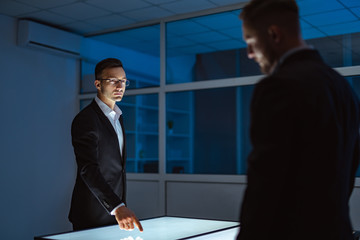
[98, 138]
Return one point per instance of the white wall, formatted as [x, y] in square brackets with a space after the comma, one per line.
[38, 102]
[204, 200]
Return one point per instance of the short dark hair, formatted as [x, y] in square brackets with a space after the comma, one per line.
[106, 63]
[257, 12]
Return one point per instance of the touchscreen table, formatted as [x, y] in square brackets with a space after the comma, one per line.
[162, 228]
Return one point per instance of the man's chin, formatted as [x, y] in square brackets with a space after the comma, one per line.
[117, 99]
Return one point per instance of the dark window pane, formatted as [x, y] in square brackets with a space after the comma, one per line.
[207, 48]
[141, 126]
[340, 50]
[138, 49]
[207, 131]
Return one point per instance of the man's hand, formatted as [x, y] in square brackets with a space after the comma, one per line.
[127, 219]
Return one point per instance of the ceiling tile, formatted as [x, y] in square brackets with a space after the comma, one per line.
[80, 11]
[82, 27]
[185, 27]
[351, 3]
[356, 11]
[149, 32]
[148, 13]
[228, 2]
[219, 21]
[112, 39]
[119, 5]
[307, 7]
[235, 33]
[330, 18]
[304, 24]
[44, 4]
[110, 21]
[311, 33]
[13, 9]
[186, 6]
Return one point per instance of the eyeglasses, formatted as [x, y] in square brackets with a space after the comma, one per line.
[115, 81]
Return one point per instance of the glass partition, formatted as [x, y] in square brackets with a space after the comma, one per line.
[207, 48]
[138, 49]
[207, 131]
[140, 115]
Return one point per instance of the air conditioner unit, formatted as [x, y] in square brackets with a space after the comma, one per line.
[33, 34]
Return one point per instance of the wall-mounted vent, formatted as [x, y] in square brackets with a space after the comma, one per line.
[32, 34]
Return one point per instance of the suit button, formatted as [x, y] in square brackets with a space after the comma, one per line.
[106, 204]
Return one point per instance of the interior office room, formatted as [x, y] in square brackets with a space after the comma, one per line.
[186, 111]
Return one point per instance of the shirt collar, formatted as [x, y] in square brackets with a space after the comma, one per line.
[106, 109]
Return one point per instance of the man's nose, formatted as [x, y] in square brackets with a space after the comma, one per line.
[119, 84]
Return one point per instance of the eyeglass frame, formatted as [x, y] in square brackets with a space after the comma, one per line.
[114, 82]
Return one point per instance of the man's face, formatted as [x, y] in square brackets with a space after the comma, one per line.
[108, 90]
[259, 48]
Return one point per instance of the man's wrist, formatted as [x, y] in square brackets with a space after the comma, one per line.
[118, 206]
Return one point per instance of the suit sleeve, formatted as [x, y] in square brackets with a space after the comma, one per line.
[85, 139]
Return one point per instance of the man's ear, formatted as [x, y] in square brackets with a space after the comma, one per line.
[97, 84]
[274, 33]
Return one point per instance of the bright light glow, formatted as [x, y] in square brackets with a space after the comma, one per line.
[163, 228]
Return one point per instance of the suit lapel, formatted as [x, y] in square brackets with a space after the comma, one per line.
[111, 129]
[105, 121]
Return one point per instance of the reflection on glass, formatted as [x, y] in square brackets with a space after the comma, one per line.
[138, 49]
[141, 127]
[211, 47]
[209, 131]
[206, 48]
[338, 51]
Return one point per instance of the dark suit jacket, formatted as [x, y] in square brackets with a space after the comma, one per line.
[305, 136]
[100, 182]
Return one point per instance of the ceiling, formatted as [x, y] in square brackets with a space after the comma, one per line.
[90, 16]
[99, 19]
